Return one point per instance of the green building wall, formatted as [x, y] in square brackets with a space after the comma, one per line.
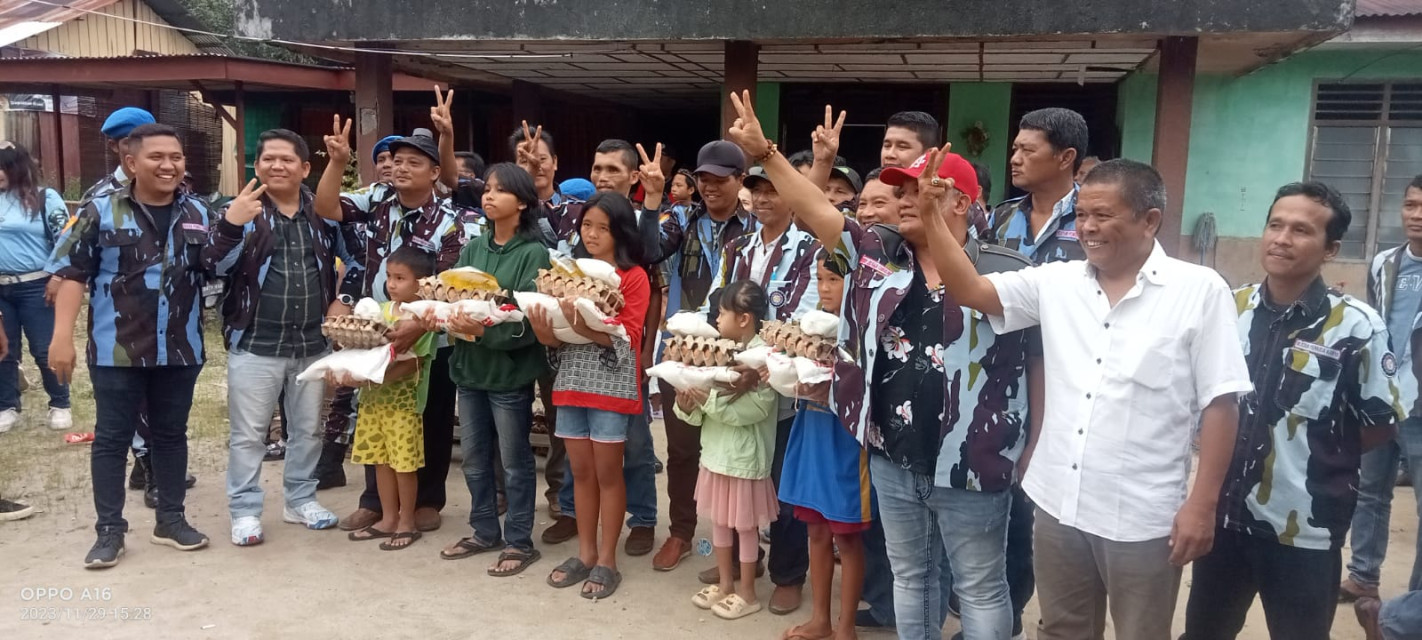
[1249, 135]
[988, 103]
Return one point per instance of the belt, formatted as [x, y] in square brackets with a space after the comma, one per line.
[9, 278]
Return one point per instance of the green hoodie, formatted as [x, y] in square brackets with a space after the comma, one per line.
[508, 356]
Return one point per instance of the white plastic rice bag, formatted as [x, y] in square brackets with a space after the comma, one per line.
[754, 358]
[811, 372]
[687, 323]
[362, 365]
[599, 270]
[684, 377]
[599, 322]
[819, 323]
[528, 300]
[367, 309]
[783, 374]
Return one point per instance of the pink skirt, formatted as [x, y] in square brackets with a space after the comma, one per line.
[737, 503]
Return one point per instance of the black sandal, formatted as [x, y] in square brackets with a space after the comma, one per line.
[468, 547]
[605, 577]
[574, 571]
[368, 533]
[523, 558]
[392, 543]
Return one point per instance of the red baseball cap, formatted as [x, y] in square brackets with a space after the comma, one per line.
[965, 177]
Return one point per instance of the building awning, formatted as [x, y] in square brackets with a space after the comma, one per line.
[204, 72]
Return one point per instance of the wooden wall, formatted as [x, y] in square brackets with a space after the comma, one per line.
[94, 35]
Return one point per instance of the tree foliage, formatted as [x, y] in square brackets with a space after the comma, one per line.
[219, 17]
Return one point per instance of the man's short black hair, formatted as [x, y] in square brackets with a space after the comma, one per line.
[922, 124]
[1140, 184]
[984, 179]
[617, 145]
[420, 262]
[1416, 182]
[802, 158]
[517, 137]
[1063, 128]
[873, 175]
[297, 142]
[154, 130]
[473, 162]
[1324, 195]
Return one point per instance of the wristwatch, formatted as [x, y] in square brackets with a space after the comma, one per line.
[346, 299]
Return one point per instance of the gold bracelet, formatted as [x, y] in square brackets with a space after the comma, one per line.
[770, 151]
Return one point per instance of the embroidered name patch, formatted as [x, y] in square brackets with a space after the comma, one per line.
[1320, 350]
[194, 226]
[1067, 234]
[423, 244]
[874, 265]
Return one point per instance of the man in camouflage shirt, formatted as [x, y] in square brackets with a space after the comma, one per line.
[139, 252]
[1324, 393]
[1045, 157]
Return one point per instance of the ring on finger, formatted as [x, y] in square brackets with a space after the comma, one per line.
[937, 182]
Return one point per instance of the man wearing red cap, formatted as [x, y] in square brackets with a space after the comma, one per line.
[1139, 348]
[939, 400]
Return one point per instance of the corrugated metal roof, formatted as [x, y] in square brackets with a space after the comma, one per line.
[1383, 8]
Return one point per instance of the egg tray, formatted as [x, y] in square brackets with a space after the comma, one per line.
[432, 288]
[701, 352]
[791, 339]
[351, 332]
[607, 298]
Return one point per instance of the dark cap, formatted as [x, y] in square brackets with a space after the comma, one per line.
[755, 176]
[422, 144]
[720, 158]
[850, 176]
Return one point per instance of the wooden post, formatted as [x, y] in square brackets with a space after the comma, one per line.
[240, 128]
[59, 175]
[741, 61]
[1171, 156]
[375, 110]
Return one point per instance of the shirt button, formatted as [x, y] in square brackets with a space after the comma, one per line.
[1098, 361]
[1088, 396]
[1073, 466]
[1080, 431]
[1108, 325]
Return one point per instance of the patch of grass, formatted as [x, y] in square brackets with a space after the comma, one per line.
[38, 467]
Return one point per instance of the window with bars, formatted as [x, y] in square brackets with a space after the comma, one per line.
[1367, 143]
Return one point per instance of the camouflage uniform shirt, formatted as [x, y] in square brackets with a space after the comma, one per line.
[434, 227]
[984, 400]
[1322, 371]
[1055, 241]
[788, 272]
[145, 284]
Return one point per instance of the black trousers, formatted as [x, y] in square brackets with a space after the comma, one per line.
[121, 396]
[439, 441]
[1298, 587]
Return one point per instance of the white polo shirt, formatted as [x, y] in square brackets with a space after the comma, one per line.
[1125, 387]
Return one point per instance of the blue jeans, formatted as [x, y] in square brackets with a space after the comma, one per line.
[974, 533]
[25, 311]
[119, 394]
[639, 471]
[1401, 617]
[503, 419]
[879, 577]
[249, 409]
[1370, 520]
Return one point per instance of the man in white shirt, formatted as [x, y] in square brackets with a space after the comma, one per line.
[1139, 348]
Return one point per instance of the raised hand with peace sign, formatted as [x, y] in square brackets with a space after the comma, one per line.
[338, 145]
[247, 205]
[653, 180]
[527, 151]
[745, 131]
[440, 113]
[933, 191]
[825, 140]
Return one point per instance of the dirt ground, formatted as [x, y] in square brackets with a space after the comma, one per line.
[309, 583]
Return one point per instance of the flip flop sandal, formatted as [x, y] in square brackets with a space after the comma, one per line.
[733, 607]
[368, 533]
[707, 597]
[574, 571]
[392, 544]
[604, 577]
[469, 547]
[524, 559]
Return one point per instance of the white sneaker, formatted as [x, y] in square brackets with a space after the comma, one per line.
[60, 419]
[9, 419]
[312, 515]
[247, 531]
